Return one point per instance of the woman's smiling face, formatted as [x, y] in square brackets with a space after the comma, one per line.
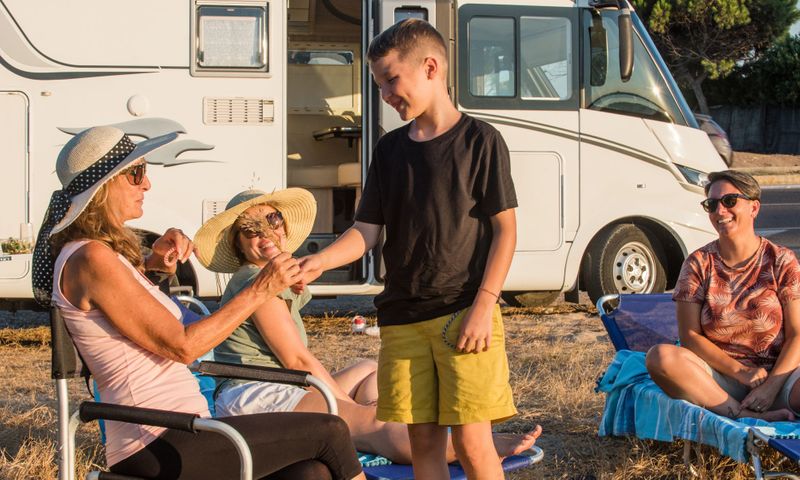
[738, 219]
[258, 235]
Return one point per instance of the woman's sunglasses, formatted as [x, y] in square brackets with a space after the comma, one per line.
[728, 201]
[135, 174]
[274, 220]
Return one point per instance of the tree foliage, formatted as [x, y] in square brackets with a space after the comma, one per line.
[772, 79]
[703, 39]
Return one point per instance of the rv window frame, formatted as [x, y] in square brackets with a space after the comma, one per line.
[465, 98]
[198, 70]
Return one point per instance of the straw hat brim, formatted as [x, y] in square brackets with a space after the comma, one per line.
[213, 240]
[81, 201]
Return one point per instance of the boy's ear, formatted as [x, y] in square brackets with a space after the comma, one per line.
[431, 66]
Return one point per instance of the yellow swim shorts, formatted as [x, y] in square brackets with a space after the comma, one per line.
[423, 380]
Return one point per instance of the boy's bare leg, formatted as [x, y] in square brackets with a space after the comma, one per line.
[475, 450]
[392, 439]
[429, 450]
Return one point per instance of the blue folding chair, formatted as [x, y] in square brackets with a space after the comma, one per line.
[405, 472]
[636, 322]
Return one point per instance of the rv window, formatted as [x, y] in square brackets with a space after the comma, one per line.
[410, 12]
[645, 95]
[545, 58]
[232, 38]
[320, 57]
[491, 57]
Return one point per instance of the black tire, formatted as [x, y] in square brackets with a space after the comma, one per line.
[625, 259]
[530, 299]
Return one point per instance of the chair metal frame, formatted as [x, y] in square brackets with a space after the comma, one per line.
[66, 364]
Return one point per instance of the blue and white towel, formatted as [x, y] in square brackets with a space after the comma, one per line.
[636, 406]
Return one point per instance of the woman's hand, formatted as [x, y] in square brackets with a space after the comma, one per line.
[751, 377]
[279, 273]
[169, 249]
[761, 398]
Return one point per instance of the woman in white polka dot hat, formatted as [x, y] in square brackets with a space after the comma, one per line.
[88, 263]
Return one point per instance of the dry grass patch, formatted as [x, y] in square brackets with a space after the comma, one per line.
[556, 354]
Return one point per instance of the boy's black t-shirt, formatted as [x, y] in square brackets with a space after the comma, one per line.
[435, 199]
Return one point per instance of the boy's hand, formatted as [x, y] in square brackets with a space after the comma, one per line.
[476, 330]
[310, 270]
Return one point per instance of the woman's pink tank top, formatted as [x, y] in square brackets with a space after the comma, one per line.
[127, 374]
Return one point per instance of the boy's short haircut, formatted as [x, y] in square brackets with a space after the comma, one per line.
[406, 37]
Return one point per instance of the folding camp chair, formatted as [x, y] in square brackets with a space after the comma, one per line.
[639, 321]
[66, 364]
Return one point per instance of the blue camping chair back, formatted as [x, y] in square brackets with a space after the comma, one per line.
[639, 321]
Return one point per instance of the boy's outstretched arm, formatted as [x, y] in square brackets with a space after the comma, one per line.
[349, 247]
[476, 328]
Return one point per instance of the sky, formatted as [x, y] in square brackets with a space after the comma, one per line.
[796, 27]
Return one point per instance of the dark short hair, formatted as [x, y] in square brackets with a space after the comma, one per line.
[406, 37]
[744, 182]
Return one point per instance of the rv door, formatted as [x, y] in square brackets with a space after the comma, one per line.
[15, 230]
[518, 70]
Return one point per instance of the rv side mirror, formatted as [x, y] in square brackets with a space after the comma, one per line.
[625, 41]
[598, 51]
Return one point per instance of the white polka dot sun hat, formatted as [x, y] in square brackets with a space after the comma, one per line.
[87, 161]
[214, 243]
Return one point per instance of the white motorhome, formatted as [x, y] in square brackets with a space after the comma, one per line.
[607, 161]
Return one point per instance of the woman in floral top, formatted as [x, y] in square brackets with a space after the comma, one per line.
[738, 309]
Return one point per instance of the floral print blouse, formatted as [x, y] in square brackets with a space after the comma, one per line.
[742, 308]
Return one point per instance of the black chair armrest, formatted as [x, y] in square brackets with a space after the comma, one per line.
[115, 476]
[254, 373]
[89, 411]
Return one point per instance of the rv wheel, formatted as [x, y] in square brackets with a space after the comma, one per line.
[625, 259]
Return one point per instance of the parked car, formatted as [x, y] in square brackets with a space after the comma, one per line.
[717, 135]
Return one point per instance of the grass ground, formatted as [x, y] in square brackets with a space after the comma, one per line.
[555, 353]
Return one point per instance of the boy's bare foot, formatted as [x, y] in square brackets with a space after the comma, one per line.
[508, 444]
[770, 416]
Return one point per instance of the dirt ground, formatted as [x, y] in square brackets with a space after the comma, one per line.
[757, 160]
[556, 354]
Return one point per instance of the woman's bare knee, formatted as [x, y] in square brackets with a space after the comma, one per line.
[663, 359]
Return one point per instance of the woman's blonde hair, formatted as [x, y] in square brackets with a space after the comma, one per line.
[96, 223]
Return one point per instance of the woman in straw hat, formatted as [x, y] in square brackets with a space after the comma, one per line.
[241, 240]
[88, 263]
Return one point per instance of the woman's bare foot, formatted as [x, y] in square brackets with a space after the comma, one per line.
[508, 444]
[771, 416]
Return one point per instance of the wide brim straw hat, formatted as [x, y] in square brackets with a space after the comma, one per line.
[214, 241]
[90, 147]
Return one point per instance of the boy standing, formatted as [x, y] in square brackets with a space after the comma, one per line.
[442, 187]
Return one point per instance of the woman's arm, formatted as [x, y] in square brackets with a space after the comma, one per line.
[788, 360]
[691, 335]
[93, 277]
[274, 321]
